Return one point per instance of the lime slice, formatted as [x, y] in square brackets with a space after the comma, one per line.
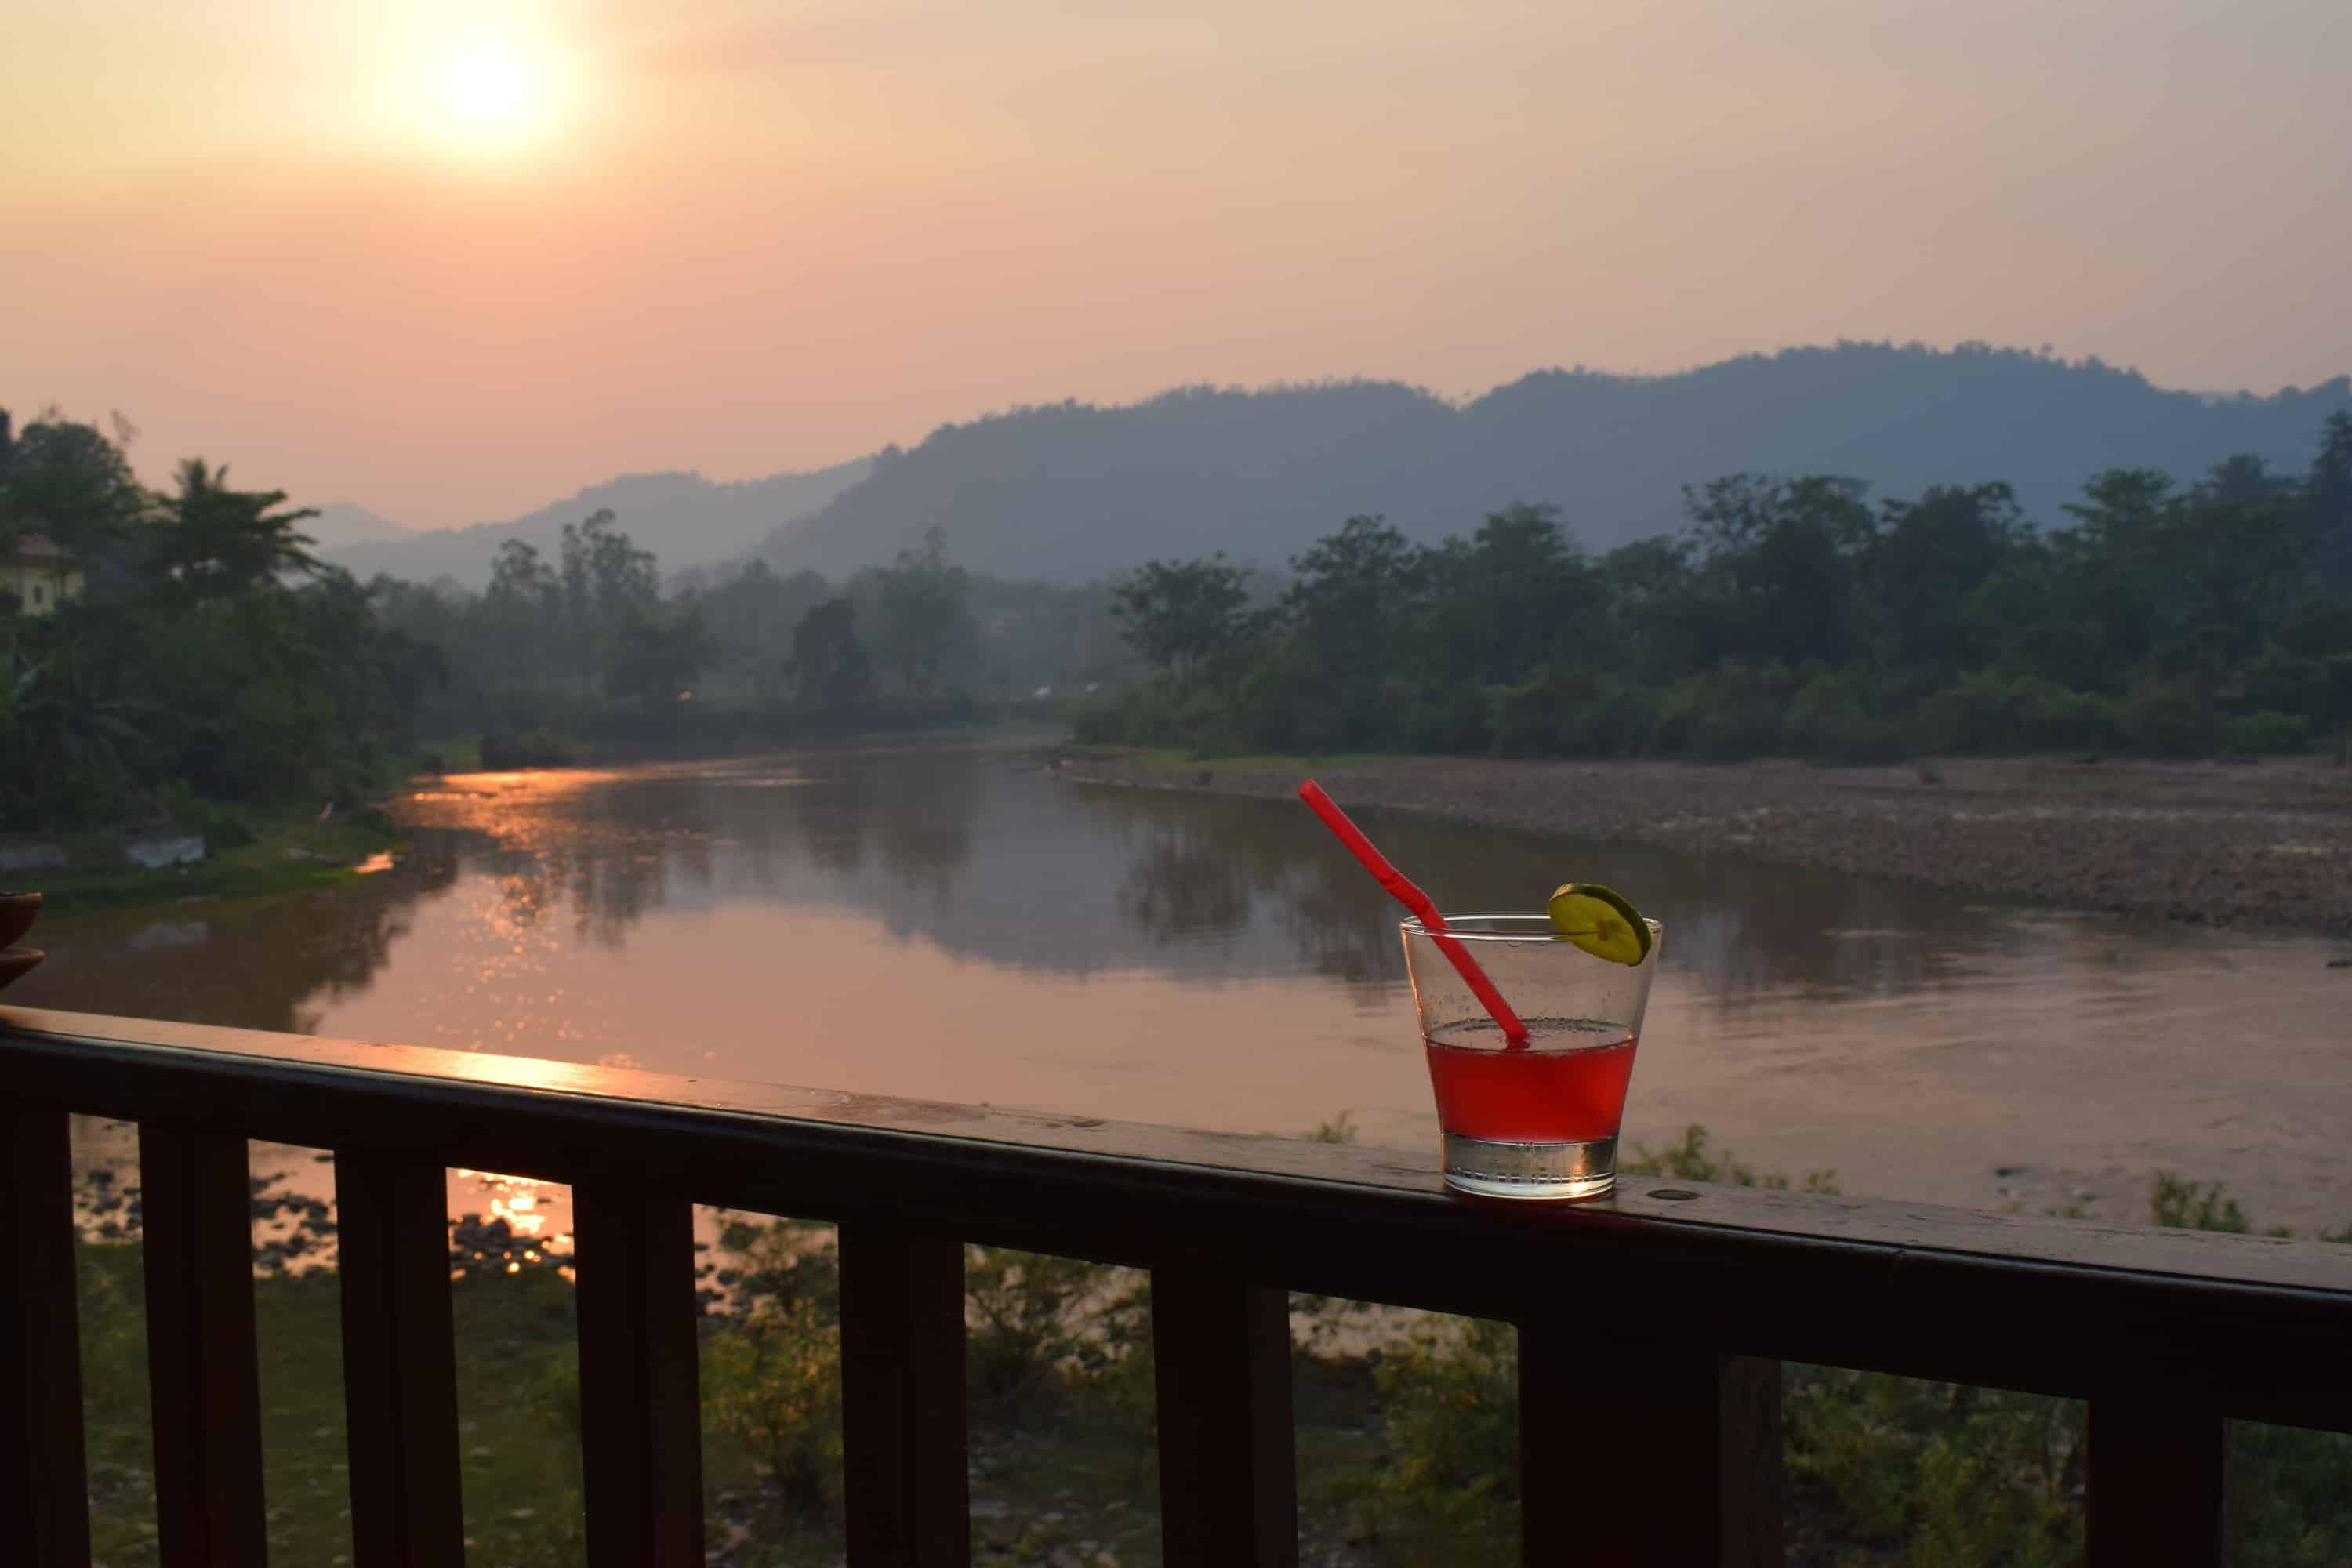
[1600, 922]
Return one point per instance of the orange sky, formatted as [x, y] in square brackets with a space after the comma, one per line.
[453, 258]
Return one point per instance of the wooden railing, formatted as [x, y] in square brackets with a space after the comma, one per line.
[1649, 1325]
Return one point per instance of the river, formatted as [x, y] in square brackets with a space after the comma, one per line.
[952, 921]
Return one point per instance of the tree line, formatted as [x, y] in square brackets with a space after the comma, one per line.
[208, 655]
[590, 646]
[1790, 616]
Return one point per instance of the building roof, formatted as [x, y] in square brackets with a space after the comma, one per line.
[34, 547]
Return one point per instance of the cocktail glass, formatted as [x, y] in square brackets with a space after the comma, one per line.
[1537, 1120]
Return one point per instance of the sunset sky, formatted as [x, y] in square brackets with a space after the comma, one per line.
[451, 260]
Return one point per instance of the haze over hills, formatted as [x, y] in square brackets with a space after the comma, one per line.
[685, 520]
[342, 523]
[1071, 491]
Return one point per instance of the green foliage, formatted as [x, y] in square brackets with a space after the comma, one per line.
[772, 1381]
[1568, 711]
[1691, 1159]
[924, 626]
[2190, 1205]
[1183, 617]
[827, 661]
[1447, 1488]
[1040, 1326]
[1793, 618]
[1727, 713]
[1936, 1475]
[2266, 733]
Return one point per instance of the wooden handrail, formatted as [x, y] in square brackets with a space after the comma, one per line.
[1696, 1288]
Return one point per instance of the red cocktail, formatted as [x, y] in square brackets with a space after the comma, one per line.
[1538, 1117]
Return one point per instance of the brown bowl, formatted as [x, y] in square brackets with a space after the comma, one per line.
[16, 962]
[18, 913]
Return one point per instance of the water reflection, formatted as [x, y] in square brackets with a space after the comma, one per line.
[945, 922]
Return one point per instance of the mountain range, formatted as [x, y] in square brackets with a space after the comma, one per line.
[685, 519]
[1071, 491]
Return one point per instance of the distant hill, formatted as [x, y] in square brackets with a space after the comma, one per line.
[341, 523]
[1071, 490]
[684, 518]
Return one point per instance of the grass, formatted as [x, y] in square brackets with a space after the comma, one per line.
[289, 850]
[1174, 758]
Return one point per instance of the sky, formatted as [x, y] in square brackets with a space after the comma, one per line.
[451, 260]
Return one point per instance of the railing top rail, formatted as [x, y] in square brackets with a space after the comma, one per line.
[2015, 1300]
[258, 1056]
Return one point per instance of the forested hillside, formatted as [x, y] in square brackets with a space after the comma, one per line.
[1073, 491]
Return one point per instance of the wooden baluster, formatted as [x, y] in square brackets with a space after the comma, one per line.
[399, 1362]
[1635, 1451]
[203, 1367]
[640, 1386]
[903, 1428]
[1228, 1470]
[44, 1493]
[2157, 1482]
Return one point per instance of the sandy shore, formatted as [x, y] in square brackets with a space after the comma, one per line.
[2226, 844]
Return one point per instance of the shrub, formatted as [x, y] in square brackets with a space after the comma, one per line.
[1833, 716]
[2266, 731]
[524, 749]
[1456, 720]
[1986, 713]
[1727, 713]
[772, 1381]
[2168, 716]
[1574, 712]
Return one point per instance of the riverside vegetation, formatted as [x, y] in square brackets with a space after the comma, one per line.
[1407, 1432]
[213, 676]
[1791, 616]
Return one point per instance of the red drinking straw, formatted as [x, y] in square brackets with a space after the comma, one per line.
[1401, 888]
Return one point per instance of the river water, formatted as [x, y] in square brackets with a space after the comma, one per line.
[952, 921]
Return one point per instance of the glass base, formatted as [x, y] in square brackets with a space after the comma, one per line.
[1494, 1169]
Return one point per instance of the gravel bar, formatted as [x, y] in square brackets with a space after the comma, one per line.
[2266, 844]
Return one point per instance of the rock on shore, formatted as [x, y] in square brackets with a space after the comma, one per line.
[2218, 843]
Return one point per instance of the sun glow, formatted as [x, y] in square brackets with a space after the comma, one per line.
[496, 95]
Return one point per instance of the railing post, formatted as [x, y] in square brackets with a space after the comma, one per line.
[399, 1362]
[640, 1386]
[1642, 1451]
[203, 1367]
[44, 1493]
[1228, 1468]
[2158, 1483]
[903, 1427]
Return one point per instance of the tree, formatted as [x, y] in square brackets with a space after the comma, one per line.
[1930, 557]
[215, 541]
[1518, 595]
[656, 656]
[2327, 494]
[1182, 617]
[827, 666]
[1780, 558]
[70, 482]
[925, 619]
[606, 581]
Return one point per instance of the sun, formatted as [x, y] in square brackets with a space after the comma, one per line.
[489, 87]
[495, 97]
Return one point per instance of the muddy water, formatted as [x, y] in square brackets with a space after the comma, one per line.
[953, 922]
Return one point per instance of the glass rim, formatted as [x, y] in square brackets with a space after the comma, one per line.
[1412, 927]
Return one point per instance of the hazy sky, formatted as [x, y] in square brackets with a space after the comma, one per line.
[452, 258]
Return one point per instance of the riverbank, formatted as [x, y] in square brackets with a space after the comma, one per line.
[279, 853]
[2266, 844]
